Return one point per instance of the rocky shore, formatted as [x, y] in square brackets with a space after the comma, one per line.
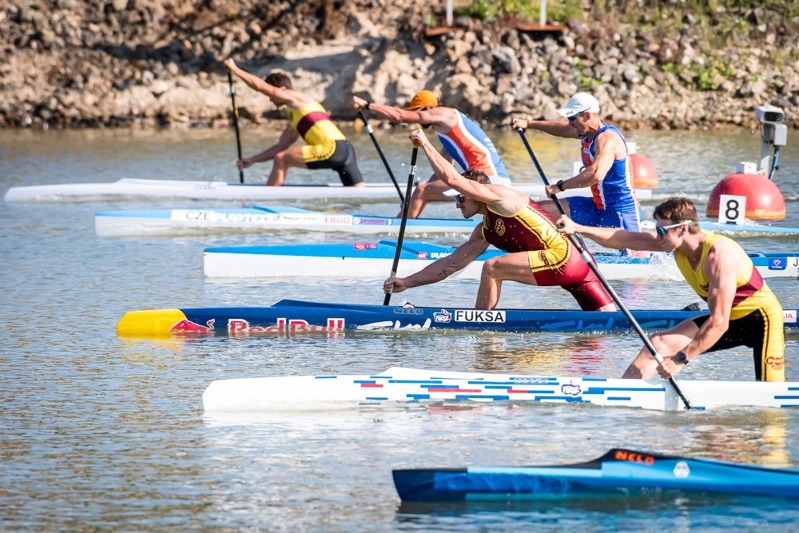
[153, 63]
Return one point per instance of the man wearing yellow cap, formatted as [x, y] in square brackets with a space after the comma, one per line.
[464, 142]
[326, 146]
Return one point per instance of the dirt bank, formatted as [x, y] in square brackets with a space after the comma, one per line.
[150, 63]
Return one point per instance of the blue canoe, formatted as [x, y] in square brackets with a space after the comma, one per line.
[619, 472]
[297, 316]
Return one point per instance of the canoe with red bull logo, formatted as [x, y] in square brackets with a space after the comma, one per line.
[293, 317]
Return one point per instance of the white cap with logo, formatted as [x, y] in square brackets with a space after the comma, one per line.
[579, 103]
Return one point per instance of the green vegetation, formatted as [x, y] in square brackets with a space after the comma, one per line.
[631, 10]
[557, 10]
[711, 27]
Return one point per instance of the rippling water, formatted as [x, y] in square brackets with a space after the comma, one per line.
[102, 433]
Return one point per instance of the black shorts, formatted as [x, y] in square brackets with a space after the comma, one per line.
[342, 161]
[766, 337]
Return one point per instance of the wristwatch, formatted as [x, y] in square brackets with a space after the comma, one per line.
[682, 358]
[367, 105]
[559, 184]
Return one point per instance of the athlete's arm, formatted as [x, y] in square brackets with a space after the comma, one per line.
[438, 117]
[721, 268]
[608, 146]
[496, 195]
[612, 237]
[287, 138]
[558, 128]
[444, 267]
[293, 98]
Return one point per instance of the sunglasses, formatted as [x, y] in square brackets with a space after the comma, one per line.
[574, 117]
[459, 198]
[662, 230]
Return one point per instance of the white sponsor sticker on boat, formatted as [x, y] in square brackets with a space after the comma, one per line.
[477, 315]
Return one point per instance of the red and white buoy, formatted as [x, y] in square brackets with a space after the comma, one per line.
[764, 200]
[644, 174]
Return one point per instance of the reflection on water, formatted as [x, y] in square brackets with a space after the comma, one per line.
[108, 433]
[650, 511]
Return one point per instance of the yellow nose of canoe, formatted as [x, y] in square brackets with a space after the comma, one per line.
[149, 323]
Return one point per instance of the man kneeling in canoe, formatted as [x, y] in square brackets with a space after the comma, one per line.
[326, 146]
[743, 310]
[537, 253]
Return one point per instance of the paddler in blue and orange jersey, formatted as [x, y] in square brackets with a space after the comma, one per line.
[326, 146]
[606, 166]
[743, 310]
[537, 253]
[463, 141]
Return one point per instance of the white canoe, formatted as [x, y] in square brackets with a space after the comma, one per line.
[219, 190]
[263, 218]
[374, 260]
[406, 385]
[130, 223]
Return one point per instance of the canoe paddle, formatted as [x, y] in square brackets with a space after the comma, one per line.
[379, 150]
[589, 259]
[235, 120]
[404, 222]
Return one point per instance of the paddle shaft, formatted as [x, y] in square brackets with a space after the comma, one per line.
[633, 322]
[380, 153]
[578, 243]
[404, 222]
[541, 173]
[235, 120]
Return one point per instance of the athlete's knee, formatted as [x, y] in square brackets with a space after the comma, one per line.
[420, 191]
[281, 158]
[492, 267]
[658, 341]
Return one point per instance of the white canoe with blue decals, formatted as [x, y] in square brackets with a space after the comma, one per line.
[399, 385]
[263, 218]
[130, 188]
[126, 223]
[374, 259]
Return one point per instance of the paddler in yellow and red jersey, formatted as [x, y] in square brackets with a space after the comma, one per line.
[743, 309]
[326, 146]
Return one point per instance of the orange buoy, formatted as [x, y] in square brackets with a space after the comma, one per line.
[644, 174]
[764, 200]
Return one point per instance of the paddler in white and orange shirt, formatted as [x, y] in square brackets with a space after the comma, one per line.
[326, 146]
[462, 139]
[743, 309]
